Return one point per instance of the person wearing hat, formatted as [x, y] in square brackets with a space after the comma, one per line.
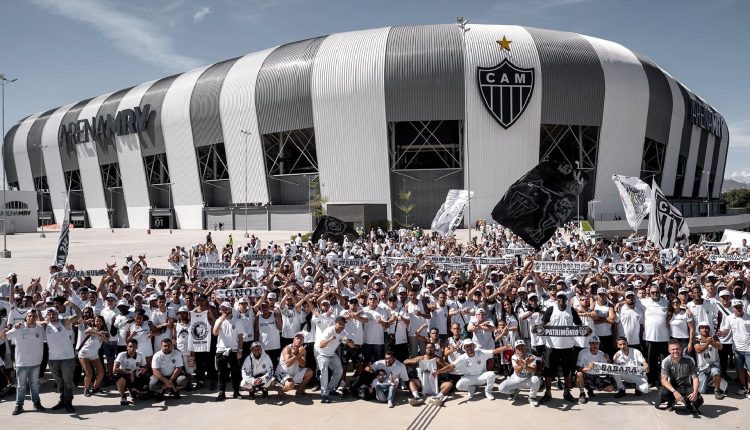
[605, 321]
[373, 348]
[707, 350]
[629, 356]
[585, 364]
[29, 339]
[524, 374]
[679, 380]
[325, 348]
[473, 362]
[738, 324]
[292, 371]
[560, 351]
[726, 354]
[229, 339]
[181, 339]
[62, 361]
[267, 328]
[630, 318]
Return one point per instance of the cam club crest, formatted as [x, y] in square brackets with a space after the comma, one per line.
[506, 90]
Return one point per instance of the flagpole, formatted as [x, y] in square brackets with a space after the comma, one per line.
[462, 22]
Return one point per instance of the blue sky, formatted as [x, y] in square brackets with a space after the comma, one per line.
[63, 51]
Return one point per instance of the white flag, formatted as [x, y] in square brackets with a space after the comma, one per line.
[61, 252]
[451, 213]
[636, 198]
[666, 224]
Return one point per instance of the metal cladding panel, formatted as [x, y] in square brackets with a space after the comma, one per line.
[659, 102]
[131, 164]
[7, 155]
[68, 154]
[711, 142]
[424, 73]
[675, 138]
[204, 105]
[497, 157]
[52, 163]
[106, 150]
[178, 141]
[247, 179]
[687, 125]
[692, 161]
[21, 154]
[621, 138]
[573, 78]
[350, 120]
[152, 140]
[282, 95]
[91, 177]
[34, 143]
[700, 160]
[722, 163]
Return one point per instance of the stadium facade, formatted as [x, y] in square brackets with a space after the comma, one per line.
[362, 118]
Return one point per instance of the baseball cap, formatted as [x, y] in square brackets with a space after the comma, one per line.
[521, 290]
[737, 302]
[682, 290]
[594, 339]
[401, 290]
[601, 290]
[629, 293]
[225, 305]
[480, 311]
[518, 343]
[430, 281]
[112, 296]
[271, 295]
[704, 324]
[533, 295]
[562, 294]
[183, 309]
[242, 300]
[300, 334]
[467, 342]
[724, 293]
[123, 303]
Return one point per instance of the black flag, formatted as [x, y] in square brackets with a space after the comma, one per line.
[543, 199]
[333, 229]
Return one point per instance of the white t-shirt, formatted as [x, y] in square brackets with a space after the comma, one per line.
[354, 326]
[655, 328]
[167, 363]
[373, 333]
[29, 345]
[397, 369]
[131, 364]
[330, 349]
[740, 328]
[678, 326]
[585, 357]
[709, 356]
[59, 341]
[634, 358]
[629, 323]
[476, 365]
[228, 335]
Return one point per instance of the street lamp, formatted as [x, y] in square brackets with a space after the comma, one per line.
[578, 202]
[41, 190]
[6, 253]
[462, 23]
[708, 194]
[247, 134]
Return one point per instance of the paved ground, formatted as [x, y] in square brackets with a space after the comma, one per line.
[198, 410]
[91, 248]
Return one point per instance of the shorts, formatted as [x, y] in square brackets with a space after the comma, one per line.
[109, 349]
[296, 377]
[539, 351]
[564, 358]
[597, 382]
[742, 360]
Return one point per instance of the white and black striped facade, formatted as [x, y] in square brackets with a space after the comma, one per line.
[369, 114]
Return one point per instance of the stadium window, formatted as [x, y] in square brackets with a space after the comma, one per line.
[290, 152]
[570, 143]
[157, 169]
[652, 164]
[111, 176]
[421, 145]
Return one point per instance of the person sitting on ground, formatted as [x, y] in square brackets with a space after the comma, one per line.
[257, 371]
[586, 379]
[427, 383]
[524, 374]
[167, 367]
[474, 365]
[131, 372]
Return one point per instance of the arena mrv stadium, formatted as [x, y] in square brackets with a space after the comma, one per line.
[363, 116]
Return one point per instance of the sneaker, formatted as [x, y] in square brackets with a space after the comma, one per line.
[325, 399]
[58, 406]
[18, 410]
[512, 396]
[69, 408]
[582, 400]
[533, 402]
[38, 407]
[489, 395]
[569, 397]
[670, 407]
[620, 393]
[236, 395]
[124, 401]
[719, 394]
[221, 397]
[546, 397]
[390, 403]
[435, 400]
[416, 401]
[87, 393]
[472, 391]
[741, 391]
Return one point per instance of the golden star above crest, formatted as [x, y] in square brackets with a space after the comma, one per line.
[504, 44]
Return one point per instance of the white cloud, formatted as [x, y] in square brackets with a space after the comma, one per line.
[739, 135]
[202, 12]
[130, 33]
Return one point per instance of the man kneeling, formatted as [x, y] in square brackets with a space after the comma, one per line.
[524, 369]
[257, 372]
[585, 363]
[167, 366]
[291, 370]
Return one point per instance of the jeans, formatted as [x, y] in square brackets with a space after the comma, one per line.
[27, 376]
[706, 377]
[385, 392]
[62, 372]
[515, 382]
[334, 364]
[468, 382]
[155, 385]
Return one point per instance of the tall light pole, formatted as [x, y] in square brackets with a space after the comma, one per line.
[462, 23]
[247, 134]
[41, 190]
[578, 203]
[708, 194]
[6, 253]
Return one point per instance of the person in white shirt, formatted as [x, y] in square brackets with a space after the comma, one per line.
[257, 371]
[131, 373]
[629, 356]
[474, 365]
[524, 374]
[330, 339]
[395, 371]
[707, 354]
[630, 319]
[229, 340]
[427, 382]
[655, 332]
[373, 348]
[585, 364]
[59, 335]
[738, 324]
[29, 339]
[292, 370]
[167, 367]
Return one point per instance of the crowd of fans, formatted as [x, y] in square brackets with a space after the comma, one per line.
[382, 317]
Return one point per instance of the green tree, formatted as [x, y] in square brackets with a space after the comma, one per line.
[317, 200]
[405, 206]
[738, 198]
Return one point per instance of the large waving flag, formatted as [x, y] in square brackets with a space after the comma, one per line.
[450, 214]
[636, 198]
[665, 224]
[61, 253]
